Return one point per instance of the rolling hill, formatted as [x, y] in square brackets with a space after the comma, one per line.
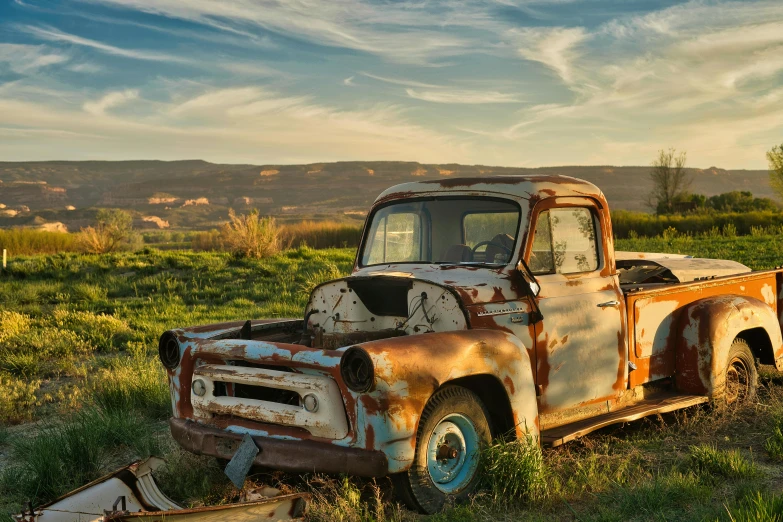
[196, 194]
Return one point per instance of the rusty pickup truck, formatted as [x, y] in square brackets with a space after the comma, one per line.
[476, 309]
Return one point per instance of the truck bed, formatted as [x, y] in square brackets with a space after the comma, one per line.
[655, 311]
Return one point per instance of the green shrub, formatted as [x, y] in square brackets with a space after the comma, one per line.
[707, 223]
[707, 460]
[513, 472]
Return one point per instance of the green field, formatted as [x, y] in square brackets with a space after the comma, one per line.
[81, 392]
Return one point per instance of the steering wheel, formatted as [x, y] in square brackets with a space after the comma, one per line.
[493, 243]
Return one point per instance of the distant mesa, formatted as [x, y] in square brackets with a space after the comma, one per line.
[444, 172]
[162, 200]
[246, 201]
[196, 202]
[420, 171]
[53, 227]
[154, 222]
[269, 172]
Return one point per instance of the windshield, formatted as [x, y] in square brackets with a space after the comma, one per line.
[443, 230]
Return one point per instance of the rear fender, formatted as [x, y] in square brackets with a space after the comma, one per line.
[408, 370]
[708, 328]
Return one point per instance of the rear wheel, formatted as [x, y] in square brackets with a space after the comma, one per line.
[452, 429]
[741, 374]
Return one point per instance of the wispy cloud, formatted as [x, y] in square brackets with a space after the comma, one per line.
[22, 59]
[349, 81]
[110, 100]
[462, 96]
[402, 81]
[555, 47]
[54, 35]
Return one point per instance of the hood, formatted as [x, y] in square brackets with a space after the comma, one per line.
[473, 284]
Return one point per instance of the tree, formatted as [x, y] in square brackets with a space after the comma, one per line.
[670, 180]
[775, 158]
[113, 227]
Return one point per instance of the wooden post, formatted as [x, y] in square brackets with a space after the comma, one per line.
[4, 257]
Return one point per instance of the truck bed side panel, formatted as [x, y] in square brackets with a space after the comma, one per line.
[654, 316]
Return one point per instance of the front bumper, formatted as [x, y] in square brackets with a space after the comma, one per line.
[300, 456]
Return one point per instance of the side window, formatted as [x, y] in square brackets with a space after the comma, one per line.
[396, 239]
[572, 247]
[541, 259]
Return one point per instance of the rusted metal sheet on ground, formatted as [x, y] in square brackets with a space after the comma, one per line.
[133, 483]
[283, 507]
[131, 494]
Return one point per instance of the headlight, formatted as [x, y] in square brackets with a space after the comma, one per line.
[168, 350]
[357, 370]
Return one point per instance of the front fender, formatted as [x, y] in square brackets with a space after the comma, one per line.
[408, 370]
[707, 330]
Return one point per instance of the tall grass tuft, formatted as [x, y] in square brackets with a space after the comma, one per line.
[758, 508]
[343, 500]
[250, 235]
[513, 472]
[774, 444]
[133, 383]
[63, 456]
[709, 461]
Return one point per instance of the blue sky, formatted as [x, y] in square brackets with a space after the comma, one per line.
[494, 82]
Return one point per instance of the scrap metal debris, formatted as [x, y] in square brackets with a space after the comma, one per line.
[131, 494]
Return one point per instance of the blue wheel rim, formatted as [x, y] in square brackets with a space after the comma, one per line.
[453, 453]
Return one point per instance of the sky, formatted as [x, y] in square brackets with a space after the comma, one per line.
[495, 82]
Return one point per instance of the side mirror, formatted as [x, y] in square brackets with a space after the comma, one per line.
[523, 270]
[535, 288]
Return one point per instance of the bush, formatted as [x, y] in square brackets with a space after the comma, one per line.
[113, 228]
[250, 235]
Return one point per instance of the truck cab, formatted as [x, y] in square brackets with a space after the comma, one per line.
[476, 309]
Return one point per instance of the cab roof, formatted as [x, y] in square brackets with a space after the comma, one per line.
[524, 187]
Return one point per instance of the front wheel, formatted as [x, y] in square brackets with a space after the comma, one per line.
[452, 429]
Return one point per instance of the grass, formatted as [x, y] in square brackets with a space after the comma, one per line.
[81, 393]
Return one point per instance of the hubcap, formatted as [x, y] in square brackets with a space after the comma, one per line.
[452, 453]
[737, 381]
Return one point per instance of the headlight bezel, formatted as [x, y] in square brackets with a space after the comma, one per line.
[357, 370]
[169, 350]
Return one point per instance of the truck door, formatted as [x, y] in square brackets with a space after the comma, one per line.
[581, 354]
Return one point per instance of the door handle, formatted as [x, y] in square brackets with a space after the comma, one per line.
[608, 304]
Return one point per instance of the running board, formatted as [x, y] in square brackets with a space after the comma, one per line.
[662, 404]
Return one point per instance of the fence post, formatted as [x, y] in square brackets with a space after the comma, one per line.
[4, 258]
